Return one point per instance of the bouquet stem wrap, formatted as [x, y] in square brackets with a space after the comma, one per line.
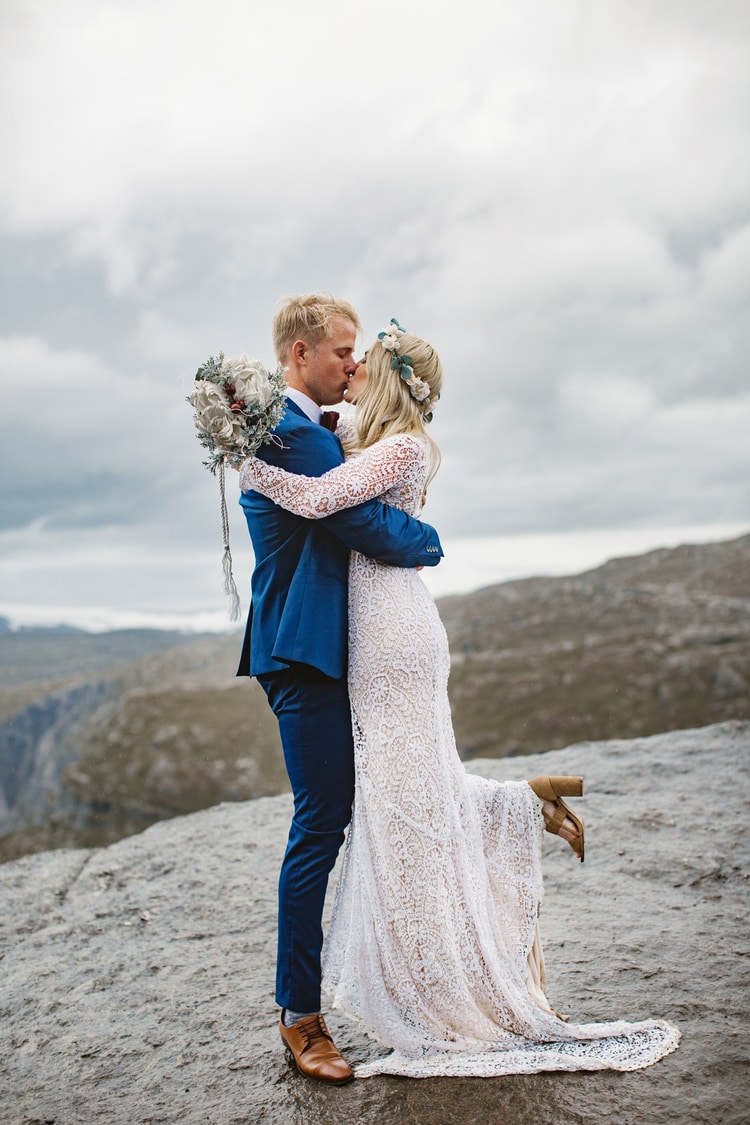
[230, 586]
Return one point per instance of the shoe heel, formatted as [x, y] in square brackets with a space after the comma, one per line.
[554, 789]
[550, 788]
[567, 786]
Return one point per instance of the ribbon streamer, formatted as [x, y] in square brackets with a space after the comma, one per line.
[230, 587]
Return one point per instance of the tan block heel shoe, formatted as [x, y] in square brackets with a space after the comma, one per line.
[554, 789]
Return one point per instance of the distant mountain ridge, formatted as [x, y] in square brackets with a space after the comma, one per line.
[6, 626]
[104, 733]
[655, 642]
[38, 654]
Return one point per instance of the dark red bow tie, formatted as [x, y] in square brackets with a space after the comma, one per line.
[329, 419]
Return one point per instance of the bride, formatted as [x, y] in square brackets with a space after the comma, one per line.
[434, 945]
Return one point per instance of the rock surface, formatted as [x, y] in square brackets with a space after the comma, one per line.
[137, 980]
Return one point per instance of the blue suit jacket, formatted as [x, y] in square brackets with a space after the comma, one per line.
[298, 611]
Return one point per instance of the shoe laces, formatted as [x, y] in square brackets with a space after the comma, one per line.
[314, 1028]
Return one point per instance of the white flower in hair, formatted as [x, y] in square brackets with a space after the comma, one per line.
[418, 389]
[389, 338]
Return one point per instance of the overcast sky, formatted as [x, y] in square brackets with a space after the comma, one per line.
[556, 193]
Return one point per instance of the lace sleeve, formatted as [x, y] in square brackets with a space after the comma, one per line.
[363, 477]
[345, 427]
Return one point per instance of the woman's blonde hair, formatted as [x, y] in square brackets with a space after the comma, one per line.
[386, 406]
[307, 317]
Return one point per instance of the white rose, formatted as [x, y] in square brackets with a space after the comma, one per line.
[419, 389]
[232, 436]
[207, 396]
[390, 342]
[213, 416]
[217, 421]
[250, 379]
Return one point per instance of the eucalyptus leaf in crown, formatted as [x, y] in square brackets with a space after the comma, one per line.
[237, 403]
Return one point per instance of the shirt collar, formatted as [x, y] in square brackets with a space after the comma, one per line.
[305, 403]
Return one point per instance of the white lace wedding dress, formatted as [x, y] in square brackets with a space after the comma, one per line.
[433, 946]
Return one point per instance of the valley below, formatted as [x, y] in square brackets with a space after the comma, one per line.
[102, 735]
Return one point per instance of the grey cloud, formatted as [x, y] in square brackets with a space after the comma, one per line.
[563, 210]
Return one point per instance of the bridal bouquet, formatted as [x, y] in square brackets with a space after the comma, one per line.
[237, 403]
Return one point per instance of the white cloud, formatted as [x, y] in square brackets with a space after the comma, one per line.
[555, 113]
[85, 444]
[53, 395]
[145, 566]
[557, 194]
[605, 402]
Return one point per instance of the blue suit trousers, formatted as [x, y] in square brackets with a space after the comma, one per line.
[316, 733]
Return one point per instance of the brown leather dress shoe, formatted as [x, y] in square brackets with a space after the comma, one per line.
[314, 1052]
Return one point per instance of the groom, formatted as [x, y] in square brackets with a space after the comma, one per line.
[296, 645]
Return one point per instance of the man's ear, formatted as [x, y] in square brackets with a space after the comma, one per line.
[298, 351]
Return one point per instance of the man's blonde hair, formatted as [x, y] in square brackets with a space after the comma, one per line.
[308, 317]
[386, 406]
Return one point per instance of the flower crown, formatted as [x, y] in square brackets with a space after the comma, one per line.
[418, 388]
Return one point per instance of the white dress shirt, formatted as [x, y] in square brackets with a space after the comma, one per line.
[304, 402]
